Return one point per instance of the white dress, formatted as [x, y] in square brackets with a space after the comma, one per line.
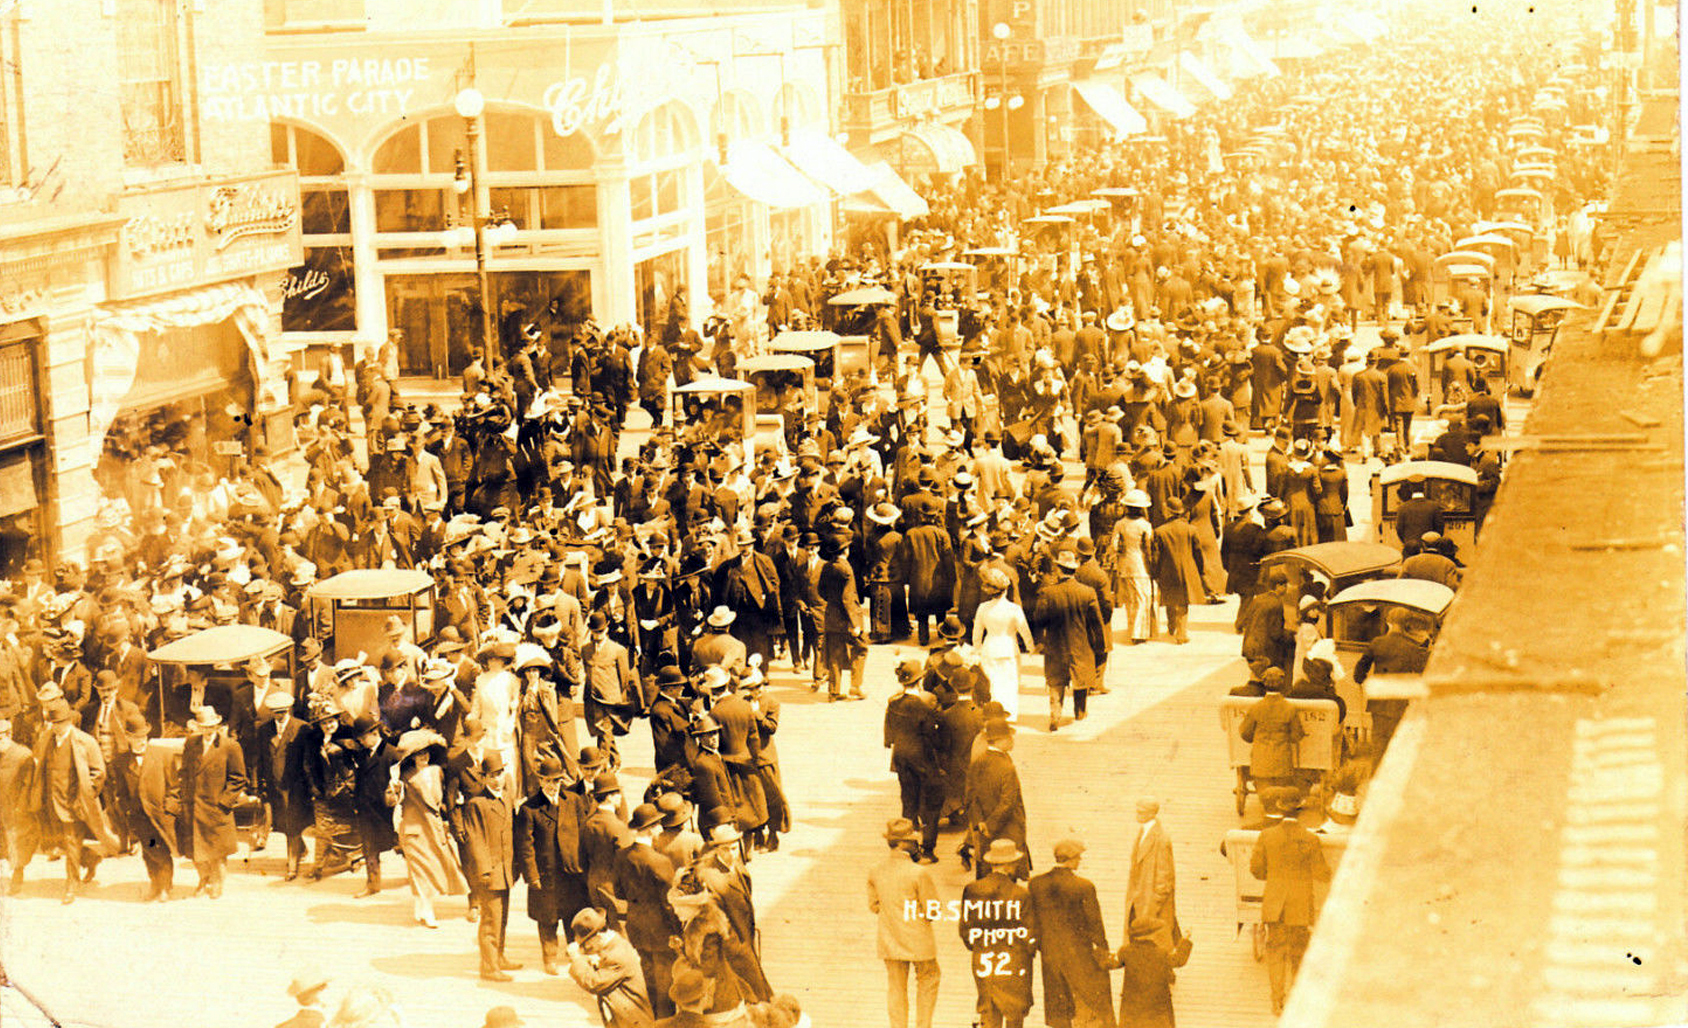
[998, 628]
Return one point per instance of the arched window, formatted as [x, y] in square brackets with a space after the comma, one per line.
[318, 296]
[668, 132]
[665, 141]
[738, 116]
[539, 180]
[796, 103]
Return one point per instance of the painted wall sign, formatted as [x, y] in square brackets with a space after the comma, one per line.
[314, 88]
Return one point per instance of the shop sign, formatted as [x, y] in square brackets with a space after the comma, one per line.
[184, 236]
[933, 95]
[318, 295]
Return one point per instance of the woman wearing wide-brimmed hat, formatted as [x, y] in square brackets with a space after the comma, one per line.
[430, 856]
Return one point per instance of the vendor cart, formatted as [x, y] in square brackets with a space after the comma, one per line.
[358, 603]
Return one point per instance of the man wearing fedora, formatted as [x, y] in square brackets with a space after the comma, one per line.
[716, 645]
[547, 854]
[1068, 619]
[605, 964]
[489, 861]
[998, 925]
[70, 772]
[643, 877]
[278, 772]
[750, 586]
[214, 783]
[1073, 943]
[901, 894]
[913, 734]
[995, 807]
[1290, 860]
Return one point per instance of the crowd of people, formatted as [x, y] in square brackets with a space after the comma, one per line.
[582, 591]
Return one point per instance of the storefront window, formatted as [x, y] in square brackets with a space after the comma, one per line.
[788, 238]
[318, 295]
[568, 207]
[439, 315]
[657, 280]
[409, 210]
[23, 453]
[727, 233]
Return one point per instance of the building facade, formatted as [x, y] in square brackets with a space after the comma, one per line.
[141, 259]
[631, 163]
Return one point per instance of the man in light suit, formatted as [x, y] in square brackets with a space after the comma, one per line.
[1289, 859]
[1152, 889]
[895, 887]
[1074, 944]
[991, 469]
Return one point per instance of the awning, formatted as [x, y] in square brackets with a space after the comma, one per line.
[938, 148]
[820, 157]
[116, 341]
[888, 195]
[1247, 58]
[754, 169]
[1162, 95]
[1198, 69]
[1111, 57]
[1111, 106]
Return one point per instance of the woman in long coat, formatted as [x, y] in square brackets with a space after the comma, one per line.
[430, 856]
[1300, 486]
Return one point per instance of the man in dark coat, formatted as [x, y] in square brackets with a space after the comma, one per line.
[843, 623]
[69, 774]
[1240, 550]
[929, 559]
[750, 587]
[1269, 372]
[1289, 859]
[1073, 944]
[712, 783]
[995, 808]
[602, 836]
[643, 878]
[1261, 622]
[546, 845]
[213, 783]
[278, 771]
[489, 861]
[1417, 514]
[999, 926]
[1175, 565]
[374, 759]
[912, 734]
[1068, 619]
[741, 751]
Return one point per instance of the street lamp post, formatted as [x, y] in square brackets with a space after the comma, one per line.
[1001, 31]
[470, 103]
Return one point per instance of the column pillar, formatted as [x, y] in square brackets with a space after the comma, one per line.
[368, 283]
[613, 299]
[697, 247]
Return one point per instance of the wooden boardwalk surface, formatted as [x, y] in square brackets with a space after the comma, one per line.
[1156, 733]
